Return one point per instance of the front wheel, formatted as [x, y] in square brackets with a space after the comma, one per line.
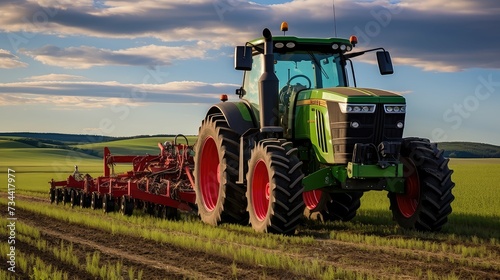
[274, 187]
[426, 203]
[342, 206]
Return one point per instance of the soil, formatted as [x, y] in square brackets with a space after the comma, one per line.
[165, 261]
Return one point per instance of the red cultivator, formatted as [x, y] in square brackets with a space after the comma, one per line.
[158, 184]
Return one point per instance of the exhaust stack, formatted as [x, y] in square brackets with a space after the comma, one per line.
[268, 89]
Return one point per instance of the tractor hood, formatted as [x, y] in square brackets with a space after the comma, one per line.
[350, 94]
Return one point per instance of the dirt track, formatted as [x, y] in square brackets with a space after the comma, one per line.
[164, 261]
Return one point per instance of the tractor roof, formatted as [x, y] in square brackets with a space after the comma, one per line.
[283, 44]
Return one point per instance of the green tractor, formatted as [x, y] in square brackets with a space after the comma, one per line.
[299, 137]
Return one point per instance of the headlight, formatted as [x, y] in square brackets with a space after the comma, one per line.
[395, 108]
[290, 45]
[279, 45]
[357, 108]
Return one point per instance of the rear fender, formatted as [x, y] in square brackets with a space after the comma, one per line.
[239, 117]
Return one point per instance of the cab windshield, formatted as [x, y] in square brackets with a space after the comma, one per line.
[308, 69]
[297, 71]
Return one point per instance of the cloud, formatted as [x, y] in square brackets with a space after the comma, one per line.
[85, 57]
[60, 102]
[8, 60]
[55, 77]
[454, 38]
[84, 94]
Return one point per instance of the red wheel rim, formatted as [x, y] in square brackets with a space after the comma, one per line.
[209, 175]
[312, 198]
[260, 190]
[408, 202]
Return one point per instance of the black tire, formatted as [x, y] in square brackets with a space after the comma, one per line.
[341, 206]
[126, 206]
[84, 200]
[59, 196]
[160, 211]
[52, 195]
[171, 213]
[427, 202]
[95, 201]
[74, 198]
[149, 208]
[274, 187]
[108, 203]
[218, 197]
[66, 193]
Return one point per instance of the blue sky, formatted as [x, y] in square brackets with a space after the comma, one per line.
[123, 68]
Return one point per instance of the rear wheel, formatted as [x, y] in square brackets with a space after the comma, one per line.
[342, 206]
[274, 188]
[218, 197]
[314, 200]
[426, 203]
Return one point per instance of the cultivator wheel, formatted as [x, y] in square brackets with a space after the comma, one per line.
[149, 208]
[171, 214]
[59, 196]
[52, 195]
[426, 203]
[108, 203]
[66, 196]
[274, 189]
[159, 211]
[95, 201]
[126, 206]
[84, 200]
[342, 206]
[139, 204]
[218, 197]
[74, 198]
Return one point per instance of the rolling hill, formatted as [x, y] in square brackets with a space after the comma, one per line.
[92, 145]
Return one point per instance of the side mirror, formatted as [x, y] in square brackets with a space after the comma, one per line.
[384, 63]
[243, 58]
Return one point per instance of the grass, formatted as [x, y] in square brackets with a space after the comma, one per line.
[473, 226]
[220, 246]
[476, 211]
[33, 266]
[64, 252]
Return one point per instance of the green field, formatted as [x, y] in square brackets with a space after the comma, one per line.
[477, 191]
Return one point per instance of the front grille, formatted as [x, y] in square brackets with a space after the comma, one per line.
[320, 130]
[373, 128]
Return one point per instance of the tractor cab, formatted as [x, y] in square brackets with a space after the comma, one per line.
[299, 64]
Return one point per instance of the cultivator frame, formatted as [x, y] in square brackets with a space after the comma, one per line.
[159, 184]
